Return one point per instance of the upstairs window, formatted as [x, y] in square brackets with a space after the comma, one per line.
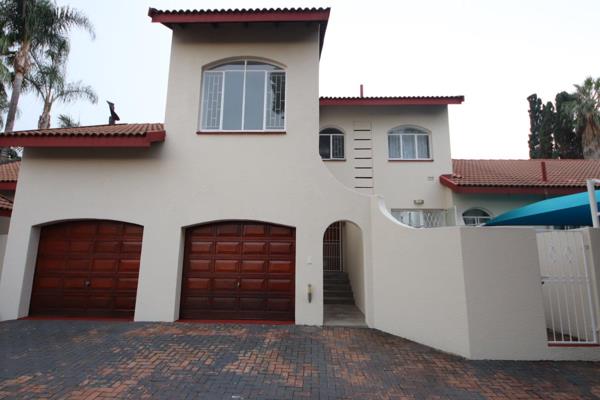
[331, 144]
[409, 143]
[243, 96]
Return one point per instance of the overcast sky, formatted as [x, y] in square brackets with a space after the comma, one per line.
[496, 53]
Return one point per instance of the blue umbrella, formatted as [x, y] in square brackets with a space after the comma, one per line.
[572, 210]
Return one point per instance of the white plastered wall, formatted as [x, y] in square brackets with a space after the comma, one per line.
[475, 292]
[191, 179]
[353, 243]
[399, 182]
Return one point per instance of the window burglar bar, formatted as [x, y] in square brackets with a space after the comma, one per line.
[333, 248]
[567, 288]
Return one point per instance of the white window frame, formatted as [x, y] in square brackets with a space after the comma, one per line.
[210, 69]
[397, 131]
[331, 135]
[478, 219]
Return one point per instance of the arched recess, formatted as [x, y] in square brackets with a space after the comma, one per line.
[238, 270]
[87, 268]
[344, 278]
[476, 216]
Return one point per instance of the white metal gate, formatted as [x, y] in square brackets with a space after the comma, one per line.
[568, 288]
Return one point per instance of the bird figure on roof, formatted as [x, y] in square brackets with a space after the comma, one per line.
[113, 115]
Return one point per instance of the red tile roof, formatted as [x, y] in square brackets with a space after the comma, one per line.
[9, 172]
[521, 176]
[243, 15]
[5, 206]
[118, 135]
[391, 101]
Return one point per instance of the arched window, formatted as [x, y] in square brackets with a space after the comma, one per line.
[409, 143]
[476, 216]
[243, 96]
[331, 144]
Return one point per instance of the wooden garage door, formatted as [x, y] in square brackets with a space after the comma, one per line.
[87, 268]
[238, 270]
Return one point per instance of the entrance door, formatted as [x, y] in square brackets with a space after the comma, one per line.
[239, 270]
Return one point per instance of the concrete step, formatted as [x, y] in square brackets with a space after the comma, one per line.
[338, 300]
[337, 285]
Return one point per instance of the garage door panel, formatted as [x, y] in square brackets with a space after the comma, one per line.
[107, 246]
[87, 268]
[81, 246]
[281, 267]
[228, 248]
[255, 248]
[224, 303]
[131, 247]
[238, 270]
[199, 266]
[52, 264]
[252, 266]
[226, 265]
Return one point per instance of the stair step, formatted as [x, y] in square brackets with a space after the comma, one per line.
[338, 300]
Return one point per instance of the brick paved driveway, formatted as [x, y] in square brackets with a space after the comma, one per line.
[98, 360]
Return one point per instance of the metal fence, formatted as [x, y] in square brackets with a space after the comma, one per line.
[568, 288]
[333, 259]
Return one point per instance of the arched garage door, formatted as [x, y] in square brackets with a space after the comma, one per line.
[87, 268]
[238, 270]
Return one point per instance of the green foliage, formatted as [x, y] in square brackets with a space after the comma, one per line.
[585, 106]
[546, 148]
[535, 122]
[567, 134]
[29, 27]
[66, 121]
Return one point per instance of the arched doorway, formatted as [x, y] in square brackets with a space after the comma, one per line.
[239, 270]
[343, 275]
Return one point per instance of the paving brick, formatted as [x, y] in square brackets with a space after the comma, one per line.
[108, 360]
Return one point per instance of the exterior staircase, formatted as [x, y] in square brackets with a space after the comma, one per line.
[337, 289]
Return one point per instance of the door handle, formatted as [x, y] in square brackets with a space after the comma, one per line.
[87, 283]
[239, 284]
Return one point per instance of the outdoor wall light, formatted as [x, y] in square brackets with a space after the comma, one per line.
[419, 202]
[309, 293]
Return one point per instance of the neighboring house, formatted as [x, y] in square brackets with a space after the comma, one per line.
[482, 189]
[227, 211]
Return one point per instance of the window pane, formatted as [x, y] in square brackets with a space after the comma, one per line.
[232, 104]
[394, 146]
[275, 101]
[337, 150]
[258, 66]
[232, 66]
[408, 147]
[211, 100]
[255, 100]
[423, 146]
[324, 146]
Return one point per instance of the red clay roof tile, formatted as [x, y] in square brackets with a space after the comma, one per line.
[390, 100]
[521, 174]
[9, 172]
[5, 204]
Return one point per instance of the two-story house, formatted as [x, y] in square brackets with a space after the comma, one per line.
[252, 190]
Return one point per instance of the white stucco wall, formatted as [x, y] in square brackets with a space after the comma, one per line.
[191, 179]
[353, 243]
[399, 182]
[475, 292]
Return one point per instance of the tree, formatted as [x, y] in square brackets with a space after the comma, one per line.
[567, 135]
[535, 122]
[48, 81]
[546, 131]
[586, 108]
[66, 121]
[28, 26]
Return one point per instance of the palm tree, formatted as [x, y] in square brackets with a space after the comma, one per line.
[66, 121]
[28, 26]
[48, 81]
[586, 108]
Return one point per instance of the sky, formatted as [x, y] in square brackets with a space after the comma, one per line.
[495, 53]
